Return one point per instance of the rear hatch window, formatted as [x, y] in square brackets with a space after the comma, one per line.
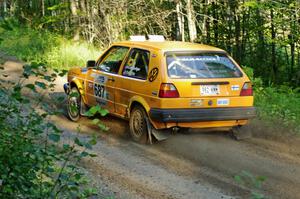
[201, 65]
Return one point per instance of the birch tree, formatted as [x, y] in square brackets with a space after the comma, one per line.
[191, 20]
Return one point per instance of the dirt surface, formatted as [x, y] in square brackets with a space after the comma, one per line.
[195, 165]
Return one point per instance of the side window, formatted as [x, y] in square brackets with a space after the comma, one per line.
[113, 59]
[137, 64]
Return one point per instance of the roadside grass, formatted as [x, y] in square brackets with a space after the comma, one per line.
[52, 49]
[277, 106]
[254, 183]
[69, 54]
[281, 104]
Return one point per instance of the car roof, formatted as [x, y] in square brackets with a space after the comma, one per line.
[167, 46]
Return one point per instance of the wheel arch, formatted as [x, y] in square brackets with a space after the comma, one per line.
[79, 85]
[138, 101]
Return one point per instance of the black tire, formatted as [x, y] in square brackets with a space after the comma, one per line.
[138, 125]
[74, 105]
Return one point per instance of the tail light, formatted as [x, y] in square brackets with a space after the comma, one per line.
[247, 89]
[168, 91]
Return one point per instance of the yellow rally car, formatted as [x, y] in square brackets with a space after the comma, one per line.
[163, 84]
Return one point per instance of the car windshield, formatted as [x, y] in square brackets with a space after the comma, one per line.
[202, 65]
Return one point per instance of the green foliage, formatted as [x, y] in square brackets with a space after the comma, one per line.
[69, 54]
[97, 110]
[44, 46]
[249, 72]
[251, 4]
[26, 44]
[278, 104]
[35, 162]
[254, 183]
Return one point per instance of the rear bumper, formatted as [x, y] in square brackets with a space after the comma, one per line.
[203, 114]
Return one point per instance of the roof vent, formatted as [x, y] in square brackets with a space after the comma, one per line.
[137, 38]
[155, 38]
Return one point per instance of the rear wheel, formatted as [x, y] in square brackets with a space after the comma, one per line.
[138, 124]
[74, 104]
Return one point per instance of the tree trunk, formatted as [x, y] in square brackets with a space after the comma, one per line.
[215, 22]
[191, 20]
[237, 37]
[229, 40]
[73, 8]
[273, 35]
[244, 35]
[4, 7]
[293, 39]
[43, 7]
[207, 23]
[74, 20]
[180, 20]
[292, 57]
[261, 52]
[204, 31]
[299, 63]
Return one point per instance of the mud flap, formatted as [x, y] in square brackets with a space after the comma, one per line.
[159, 135]
[156, 133]
[83, 108]
[149, 129]
[241, 132]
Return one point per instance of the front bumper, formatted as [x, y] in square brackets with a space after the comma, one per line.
[202, 114]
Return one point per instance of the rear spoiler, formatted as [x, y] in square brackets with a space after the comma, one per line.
[194, 52]
[210, 83]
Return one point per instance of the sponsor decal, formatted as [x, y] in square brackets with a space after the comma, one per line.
[101, 79]
[94, 75]
[196, 102]
[222, 102]
[131, 70]
[153, 74]
[84, 70]
[154, 93]
[235, 87]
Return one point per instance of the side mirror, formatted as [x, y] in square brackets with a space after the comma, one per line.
[90, 63]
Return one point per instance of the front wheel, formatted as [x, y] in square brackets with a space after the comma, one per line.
[74, 104]
[138, 125]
